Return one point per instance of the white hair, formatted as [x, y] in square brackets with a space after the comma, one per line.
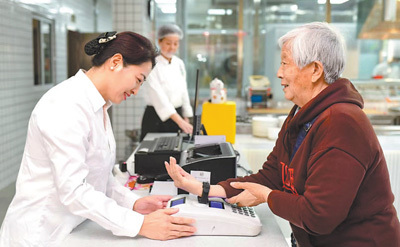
[169, 29]
[317, 41]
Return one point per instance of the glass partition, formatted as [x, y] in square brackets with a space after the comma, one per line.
[234, 39]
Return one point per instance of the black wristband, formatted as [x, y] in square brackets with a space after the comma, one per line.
[204, 196]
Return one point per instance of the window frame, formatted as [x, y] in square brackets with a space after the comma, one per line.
[43, 56]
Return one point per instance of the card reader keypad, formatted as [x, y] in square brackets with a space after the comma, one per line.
[248, 211]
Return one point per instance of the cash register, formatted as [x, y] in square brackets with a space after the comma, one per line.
[219, 158]
[151, 154]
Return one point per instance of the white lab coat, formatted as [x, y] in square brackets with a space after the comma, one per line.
[66, 171]
[166, 88]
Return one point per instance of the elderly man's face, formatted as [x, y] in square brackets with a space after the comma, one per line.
[296, 82]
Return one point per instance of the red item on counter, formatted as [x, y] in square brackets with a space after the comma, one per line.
[377, 77]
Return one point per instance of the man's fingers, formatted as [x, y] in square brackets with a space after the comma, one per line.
[243, 186]
[232, 200]
[238, 185]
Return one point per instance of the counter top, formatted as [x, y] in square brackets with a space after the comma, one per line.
[91, 234]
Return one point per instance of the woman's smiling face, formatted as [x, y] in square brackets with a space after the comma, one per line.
[127, 81]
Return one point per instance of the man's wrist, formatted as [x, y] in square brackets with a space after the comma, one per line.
[266, 196]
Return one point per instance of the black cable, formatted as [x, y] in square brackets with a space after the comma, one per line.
[248, 172]
[123, 167]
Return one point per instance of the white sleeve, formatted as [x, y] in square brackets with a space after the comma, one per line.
[158, 97]
[122, 195]
[65, 132]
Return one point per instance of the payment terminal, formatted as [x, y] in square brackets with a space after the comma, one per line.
[217, 217]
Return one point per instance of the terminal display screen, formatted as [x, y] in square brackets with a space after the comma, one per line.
[178, 202]
[214, 204]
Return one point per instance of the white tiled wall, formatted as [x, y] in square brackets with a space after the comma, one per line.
[129, 15]
[18, 95]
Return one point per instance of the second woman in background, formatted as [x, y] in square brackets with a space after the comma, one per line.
[168, 107]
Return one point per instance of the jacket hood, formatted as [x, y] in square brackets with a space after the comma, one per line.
[341, 91]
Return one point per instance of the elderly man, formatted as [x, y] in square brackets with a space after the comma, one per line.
[327, 174]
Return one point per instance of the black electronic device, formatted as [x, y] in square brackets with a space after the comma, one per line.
[219, 159]
[150, 155]
[166, 144]
[145, 179]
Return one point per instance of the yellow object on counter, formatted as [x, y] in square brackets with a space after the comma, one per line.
[220, 119]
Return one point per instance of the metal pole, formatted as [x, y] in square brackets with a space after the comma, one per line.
[96, 16]
[328, 11]
[240, 35]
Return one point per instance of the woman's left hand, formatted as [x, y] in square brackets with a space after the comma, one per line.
[148, 204]
[252, 195]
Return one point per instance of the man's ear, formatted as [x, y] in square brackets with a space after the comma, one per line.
[116, 62]
[318, 71]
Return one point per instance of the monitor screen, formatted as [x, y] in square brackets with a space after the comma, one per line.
[178, 201]
[214, 204]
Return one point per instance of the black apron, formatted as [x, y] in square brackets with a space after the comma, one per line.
[151, 122]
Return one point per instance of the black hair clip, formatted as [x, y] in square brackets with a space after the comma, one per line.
[106, 37]
[95, 46]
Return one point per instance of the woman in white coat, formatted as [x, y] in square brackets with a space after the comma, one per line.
[168, 107]
[66, 171]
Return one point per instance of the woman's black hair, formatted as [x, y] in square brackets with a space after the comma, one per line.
[134, 48]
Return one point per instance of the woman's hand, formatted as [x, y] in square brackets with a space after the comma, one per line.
[185, 126]
[252, 195]
[162, 226]
[149, 204]
[182, 179]
[183, 123]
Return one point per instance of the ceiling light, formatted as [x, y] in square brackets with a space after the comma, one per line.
[35, 1]
[165, 1]
[216, 11]
[168, 9]
[66, 10]
[332, 1]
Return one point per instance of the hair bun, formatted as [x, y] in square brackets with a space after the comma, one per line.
[95, 46]
[92, 47]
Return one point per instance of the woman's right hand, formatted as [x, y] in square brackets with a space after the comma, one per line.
[182, 179]
[161, 225]
[185, 126]
[183, 123]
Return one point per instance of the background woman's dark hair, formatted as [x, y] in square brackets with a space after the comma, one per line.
[134, 48]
